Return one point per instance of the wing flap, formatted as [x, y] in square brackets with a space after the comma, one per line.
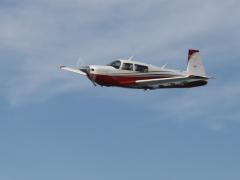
[75, 70]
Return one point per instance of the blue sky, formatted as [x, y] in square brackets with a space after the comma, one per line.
[56, 125]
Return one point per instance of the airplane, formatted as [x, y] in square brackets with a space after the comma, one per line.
[127, 73]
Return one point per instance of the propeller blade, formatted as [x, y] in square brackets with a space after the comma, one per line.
[81, 62]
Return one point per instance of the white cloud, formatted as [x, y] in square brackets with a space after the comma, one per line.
[43, 34]
[215, 105]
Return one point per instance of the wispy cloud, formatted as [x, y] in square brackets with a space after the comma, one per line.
[214, 106]
[37, 36]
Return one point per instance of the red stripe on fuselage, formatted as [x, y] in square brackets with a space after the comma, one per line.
[107, 80]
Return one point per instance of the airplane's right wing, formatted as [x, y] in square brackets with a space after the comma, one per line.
[149, 82]
[163, 81]
[75, 70]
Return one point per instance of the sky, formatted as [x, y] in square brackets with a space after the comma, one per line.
[57, 125]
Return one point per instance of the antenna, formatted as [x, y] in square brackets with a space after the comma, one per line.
[131, 57]
[164, 66]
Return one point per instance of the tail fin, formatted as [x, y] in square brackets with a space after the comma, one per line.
[195, 66]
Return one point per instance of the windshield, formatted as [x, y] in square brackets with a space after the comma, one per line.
[115, 64]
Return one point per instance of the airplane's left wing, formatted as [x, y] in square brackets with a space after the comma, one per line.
[75, 70]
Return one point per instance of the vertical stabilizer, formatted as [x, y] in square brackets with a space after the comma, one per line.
[195, 66]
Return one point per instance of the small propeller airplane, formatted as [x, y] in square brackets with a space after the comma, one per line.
[133, 74]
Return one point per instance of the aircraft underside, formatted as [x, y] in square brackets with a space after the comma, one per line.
[130, 82]
[172, 85]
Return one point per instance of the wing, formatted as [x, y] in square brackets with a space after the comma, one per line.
[75, 70]
[162, 81]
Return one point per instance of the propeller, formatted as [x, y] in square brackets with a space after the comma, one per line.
[81, 62]
[81, 65]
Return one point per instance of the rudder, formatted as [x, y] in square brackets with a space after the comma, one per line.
[195, 66]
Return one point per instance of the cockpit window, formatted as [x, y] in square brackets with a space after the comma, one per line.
[141, 68]
[127, 66]
[115, 64]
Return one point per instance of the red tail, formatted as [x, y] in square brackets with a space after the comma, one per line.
[191, 52]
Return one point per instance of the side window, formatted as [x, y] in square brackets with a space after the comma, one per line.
[141, 68]
[127, 66]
